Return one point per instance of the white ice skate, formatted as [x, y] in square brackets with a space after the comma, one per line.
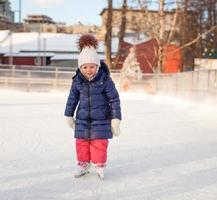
[100, 171]
[83, 168]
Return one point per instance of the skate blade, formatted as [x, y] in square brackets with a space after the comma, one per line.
[101, 177]
[80, 175]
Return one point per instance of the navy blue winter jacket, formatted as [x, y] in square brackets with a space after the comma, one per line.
[97, 102]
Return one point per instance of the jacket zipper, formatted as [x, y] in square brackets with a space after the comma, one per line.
[89, 115]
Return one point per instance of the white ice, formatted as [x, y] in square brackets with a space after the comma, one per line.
[167, 151]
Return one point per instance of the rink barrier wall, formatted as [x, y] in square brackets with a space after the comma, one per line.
[185, 84]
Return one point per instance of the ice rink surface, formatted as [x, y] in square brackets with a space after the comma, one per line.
[167, 150]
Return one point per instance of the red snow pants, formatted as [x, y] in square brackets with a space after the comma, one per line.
[92, 150]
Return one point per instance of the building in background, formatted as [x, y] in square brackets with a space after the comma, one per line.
[7, 17]
[44, 23]
[32, 48]
[80, 28]
[137, 21]
[60, 50]
[39, 23]
[5, 11]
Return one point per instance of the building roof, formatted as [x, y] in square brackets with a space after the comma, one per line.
[59, 44]
[50, 42]
[135, 10]
[30, 54]
[39, 19]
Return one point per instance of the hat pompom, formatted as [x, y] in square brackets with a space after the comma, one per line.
[87, 40]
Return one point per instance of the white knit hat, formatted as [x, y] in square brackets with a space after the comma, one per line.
[88, 55]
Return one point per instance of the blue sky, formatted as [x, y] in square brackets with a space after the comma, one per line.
[69, 11]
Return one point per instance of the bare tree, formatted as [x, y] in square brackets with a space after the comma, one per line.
[153, 25]
[191, 23]
[122, 31]
[161, 35]
[197, 16]
[108, 37]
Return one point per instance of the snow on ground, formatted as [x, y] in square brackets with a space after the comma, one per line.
[167, 151]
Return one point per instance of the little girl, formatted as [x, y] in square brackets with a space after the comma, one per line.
[98, 112]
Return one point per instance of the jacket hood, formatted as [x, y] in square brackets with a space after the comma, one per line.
[103, 74]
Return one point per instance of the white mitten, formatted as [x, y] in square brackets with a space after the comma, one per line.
[70, 121]
[115, 125]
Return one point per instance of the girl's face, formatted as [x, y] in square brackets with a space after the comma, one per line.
[89, 70]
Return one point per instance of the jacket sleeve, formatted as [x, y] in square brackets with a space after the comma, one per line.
[113, 98]
[72, 101]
